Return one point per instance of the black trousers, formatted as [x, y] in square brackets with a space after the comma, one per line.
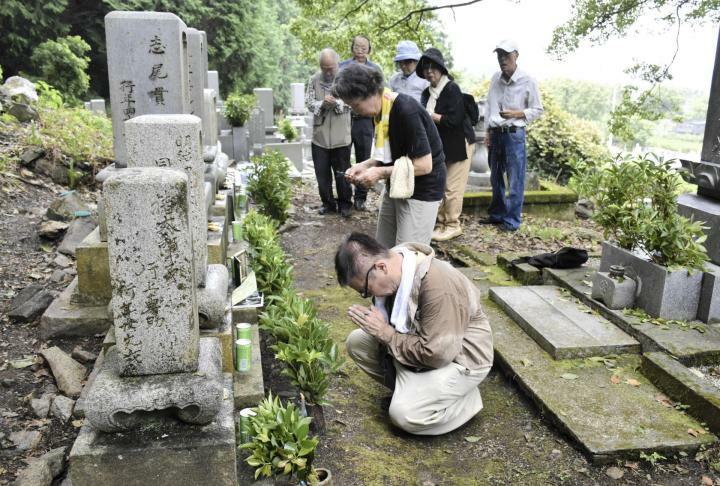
[327, 162]
[362, 136]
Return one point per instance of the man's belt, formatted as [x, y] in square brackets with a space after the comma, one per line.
[506, 129]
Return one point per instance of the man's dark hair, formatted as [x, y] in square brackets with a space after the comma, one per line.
[352, 44]
[356, 247]
[358, 82]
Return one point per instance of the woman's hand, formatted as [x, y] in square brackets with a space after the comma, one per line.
[369, 177]
[436, 118]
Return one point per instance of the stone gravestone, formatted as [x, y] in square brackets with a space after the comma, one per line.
[267, 104]
[196, 75]
[705, 205]
[159, 363]
[146, 54]
[174, 141]
[297, 91]
[213, 81]
[257, 131]
[151, 271]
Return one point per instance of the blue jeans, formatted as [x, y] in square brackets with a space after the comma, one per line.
[507, 155]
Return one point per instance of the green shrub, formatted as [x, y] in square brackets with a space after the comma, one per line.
[288, 131]
[281, 445]
[558, 140]
[635, 201]
[268, 260]
[269, 185]
[63, 64]
[238, 107]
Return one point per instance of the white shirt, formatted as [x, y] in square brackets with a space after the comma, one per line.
[519, 93]
[412, 85]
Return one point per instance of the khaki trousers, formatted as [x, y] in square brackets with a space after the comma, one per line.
[451, 205]
[432, 402]
[405, 220]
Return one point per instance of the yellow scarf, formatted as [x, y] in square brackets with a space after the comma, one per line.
[381, 147]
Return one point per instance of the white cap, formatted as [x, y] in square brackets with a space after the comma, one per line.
[507, 45]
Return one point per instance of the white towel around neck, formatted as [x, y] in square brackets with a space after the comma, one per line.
[399, 317]
[435, 93]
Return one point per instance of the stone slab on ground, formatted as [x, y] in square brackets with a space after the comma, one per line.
[164, 452]
[559, 326]
[680, 384]
[607, 421]
[65, 317]
[689, 345]
[248, 388]
[79, 410]
[32, 307]
[76, 233]
[93, 269]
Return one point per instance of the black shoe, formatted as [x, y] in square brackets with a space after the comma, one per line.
[488, 221]
[507, 229]
[360, 205]
[346, 212]
[327, 210]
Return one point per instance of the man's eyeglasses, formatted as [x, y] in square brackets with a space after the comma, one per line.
[365, 293]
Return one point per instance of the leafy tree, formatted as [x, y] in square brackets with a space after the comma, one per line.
[63, 64]
[584, 99]
[330, 23]
[599, 20]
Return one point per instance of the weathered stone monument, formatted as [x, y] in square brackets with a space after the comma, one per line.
[147, 70]
[196, 53]
[159, 363]
[267, 103]
[297, 93]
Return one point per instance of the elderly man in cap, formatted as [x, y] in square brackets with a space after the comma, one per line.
[513, 101]
[406, 79]
[425, 336]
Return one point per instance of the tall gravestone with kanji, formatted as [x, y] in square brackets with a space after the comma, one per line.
[147, 69]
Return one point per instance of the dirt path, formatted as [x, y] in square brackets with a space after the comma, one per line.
[507, 443]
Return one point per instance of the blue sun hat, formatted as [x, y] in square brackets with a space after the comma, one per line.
[407, 50]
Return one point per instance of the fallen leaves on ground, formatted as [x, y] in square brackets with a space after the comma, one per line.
[569, 376]
[663, 400]
[614, 472]
[632, 382]
[615, 379]
[472, 438]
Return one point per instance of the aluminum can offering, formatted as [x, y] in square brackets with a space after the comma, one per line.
[237, 230]
[243, 355]
[243, 330]
[244, 426]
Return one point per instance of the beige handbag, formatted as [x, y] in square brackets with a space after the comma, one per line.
[402, 179]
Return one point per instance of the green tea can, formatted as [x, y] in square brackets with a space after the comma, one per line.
[243, 330]
[237, 230]
[245, 415]
[243, 354]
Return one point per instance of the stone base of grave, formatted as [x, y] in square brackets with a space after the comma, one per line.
[680, 384]
[93, 268]
[225, 336]
[559, 326]
[68, 317]
[701, 208]
[687, 344]
[209, 199]
[551, 201]
[607, 421]
[212, 299]
[248, 387]
[163, 452]
[119, 403]
[709, 306]
[479, 181]
[217, 242]
[106, 172]
[292, 150]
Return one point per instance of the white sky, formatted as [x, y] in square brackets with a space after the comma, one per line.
[474, 30]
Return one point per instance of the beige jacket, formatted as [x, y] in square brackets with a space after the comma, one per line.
[445, 317]
[331, 126]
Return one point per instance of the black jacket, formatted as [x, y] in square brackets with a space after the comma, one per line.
[454, 127]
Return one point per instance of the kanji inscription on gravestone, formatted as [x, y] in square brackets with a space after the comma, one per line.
[147, 68]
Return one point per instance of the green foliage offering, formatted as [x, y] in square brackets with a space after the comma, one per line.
[303, 343]
[281, 445]
[63, 64]
[558, 140]
[269, 184]
[635, 201]
[238, 107]
[288, 130]
[268, 261]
